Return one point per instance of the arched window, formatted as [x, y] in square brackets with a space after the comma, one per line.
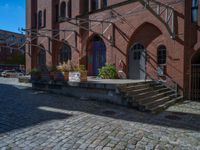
[57, 13]
[138, 49]
[65, 53]
[104, 3]
[69, 9]
[161, 55]
[94, 5]
[63, 9]
[44, 17]
[41, 57]
[40, 19]
[85, 7]
[195, 11]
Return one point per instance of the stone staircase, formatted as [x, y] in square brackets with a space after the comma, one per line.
[149, 96]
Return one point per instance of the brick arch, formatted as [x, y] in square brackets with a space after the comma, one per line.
[194, 74]
[61, 44]
[41, 56]
[144, 34]
[195, 58]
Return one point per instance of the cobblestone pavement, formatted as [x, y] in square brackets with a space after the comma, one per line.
[37, 120]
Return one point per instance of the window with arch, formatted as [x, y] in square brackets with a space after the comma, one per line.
[40, 19]
[85, 7]
[195, 11]
[94, 5]
[56, 12]
[41, 57]
[63, 9]
[104, 3]
[161, 55]
[44, 18]
[138, 49]
[65, 53]
[69, 8]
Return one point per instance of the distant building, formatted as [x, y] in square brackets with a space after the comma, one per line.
[12, 49]
[155, 39]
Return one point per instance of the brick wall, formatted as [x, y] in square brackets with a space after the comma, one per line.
[139, 25]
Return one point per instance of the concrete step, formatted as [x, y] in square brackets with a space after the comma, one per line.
[139, 86]
[144, 90]
[121, 87]
[158, 102]
[150, 93]
[165, 105]
[154, 97]
[134, 87]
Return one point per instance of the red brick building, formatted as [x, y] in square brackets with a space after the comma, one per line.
[154, 39]
[12, 48]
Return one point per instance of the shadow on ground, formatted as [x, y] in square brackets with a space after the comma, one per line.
[22, 107]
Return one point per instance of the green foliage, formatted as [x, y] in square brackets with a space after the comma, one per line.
[108, 72]
[35, 71]
[80, 68]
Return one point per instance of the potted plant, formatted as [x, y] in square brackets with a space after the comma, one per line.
[35, 74]
[109, 71]
[45, 76]
[82, 71]
[52, 72]
[65, 68]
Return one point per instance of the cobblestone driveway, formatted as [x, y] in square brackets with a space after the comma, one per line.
[37, 120]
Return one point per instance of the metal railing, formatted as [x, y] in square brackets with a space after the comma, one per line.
[168, 82]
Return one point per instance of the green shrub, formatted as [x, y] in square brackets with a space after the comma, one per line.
[35, 71]
[108, 72]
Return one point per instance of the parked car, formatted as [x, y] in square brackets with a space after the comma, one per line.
[11, 74]
[1, 72]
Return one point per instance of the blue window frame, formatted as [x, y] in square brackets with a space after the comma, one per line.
[94, 5]
[195, 11]
[105, 3]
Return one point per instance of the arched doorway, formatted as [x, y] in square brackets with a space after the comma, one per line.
[195, 77]
[137, 62]
[65, 53]
[140, 47]
[96, 55]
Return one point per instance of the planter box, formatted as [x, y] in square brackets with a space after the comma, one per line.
[66, 75]
[74, 76]
[77, 76]
[83, 76]
[58, 76]
[45, 76]
[35, 77]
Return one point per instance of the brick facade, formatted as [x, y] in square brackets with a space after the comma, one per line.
[132, 23]
[12, 51]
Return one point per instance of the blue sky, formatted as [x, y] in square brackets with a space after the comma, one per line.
[12, 15]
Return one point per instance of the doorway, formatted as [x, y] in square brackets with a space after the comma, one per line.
[195, 77]
[96, 55]
[137, 62]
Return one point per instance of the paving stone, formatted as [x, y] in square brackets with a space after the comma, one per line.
[36, 119]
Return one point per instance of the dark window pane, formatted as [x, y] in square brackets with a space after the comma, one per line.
[40, 19]
[63, 9]
[161, 55]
